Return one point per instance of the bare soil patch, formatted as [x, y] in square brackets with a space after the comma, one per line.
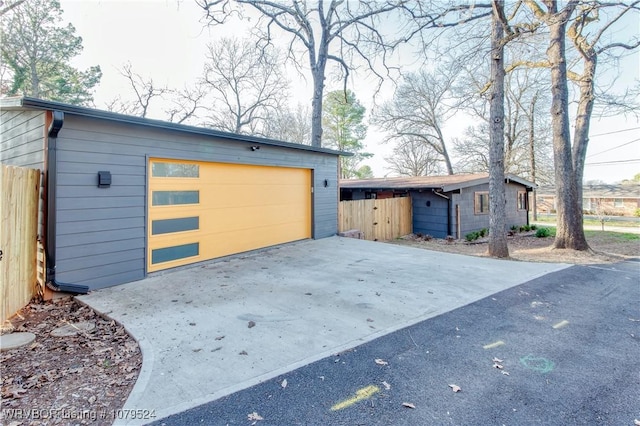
[80, 379]
[607, 247]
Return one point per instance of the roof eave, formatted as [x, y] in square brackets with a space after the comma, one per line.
[27, 102]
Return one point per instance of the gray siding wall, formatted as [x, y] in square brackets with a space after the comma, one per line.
[101, 231]
[431, 219]
[515, 216]
[22, 138]
[472, 222]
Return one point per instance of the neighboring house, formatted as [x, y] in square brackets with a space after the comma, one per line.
[609, 200]
[126, 196]
[445, 205]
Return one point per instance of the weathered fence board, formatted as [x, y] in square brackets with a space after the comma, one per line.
[379, 220]
[18, 238]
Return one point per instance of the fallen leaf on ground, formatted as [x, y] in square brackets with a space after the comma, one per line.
[284, 383]
[636, 422]
[219, 337]
[408, 405]
[254, 416]
[243, 353]
[381, 361]
[506, 373]
[251, 324]
[455, 388]
[498, 366]
[386, 385]
[498, 360]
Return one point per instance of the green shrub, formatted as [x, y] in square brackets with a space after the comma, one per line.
[637, 212]
[472, 236]
[514, 227]
[543, 232]
[533, 227]
[483, 232]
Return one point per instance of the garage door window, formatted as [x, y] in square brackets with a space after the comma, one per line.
[170, 198]
[167, 226]
[174, 253]
[175, 170]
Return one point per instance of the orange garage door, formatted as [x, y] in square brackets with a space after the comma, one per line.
[200, 211]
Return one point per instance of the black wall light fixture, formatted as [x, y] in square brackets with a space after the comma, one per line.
[326, 183]
[104, 179]
[254, 148]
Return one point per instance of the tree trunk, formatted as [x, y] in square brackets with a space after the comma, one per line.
[583, 120]
[35, 82]
[532, 153]
[447, 159]
[318, 65]
[497, 200]
[569, 230]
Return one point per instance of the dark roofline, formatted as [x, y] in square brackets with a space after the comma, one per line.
[406, 184]
[26, 102]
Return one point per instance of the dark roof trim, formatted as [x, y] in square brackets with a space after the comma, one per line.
[26, 102]
[424, 183]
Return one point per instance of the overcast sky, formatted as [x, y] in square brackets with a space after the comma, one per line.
[166, 40]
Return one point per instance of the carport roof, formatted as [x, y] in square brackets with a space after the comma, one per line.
[20, 102]
[445, 183]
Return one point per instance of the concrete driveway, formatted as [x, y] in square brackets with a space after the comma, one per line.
[215, 328]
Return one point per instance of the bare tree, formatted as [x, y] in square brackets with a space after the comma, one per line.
[526, 129]
[342, 32]
[144, 90]
[323, 29]
[497, 198]
[185, 104]
[290, 125]
[590, 48]
[569, 158]
[419, 109]
[7, 7]
[412, 157]
[569, 232]
[247, 85]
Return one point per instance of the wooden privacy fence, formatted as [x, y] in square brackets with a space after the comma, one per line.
[379, 220]
[18, 237]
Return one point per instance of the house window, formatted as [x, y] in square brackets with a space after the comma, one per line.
[617, 202]
[522, 200]
[481, 204]
[370, 195]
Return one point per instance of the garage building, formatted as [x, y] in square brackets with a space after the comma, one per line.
[124, 196]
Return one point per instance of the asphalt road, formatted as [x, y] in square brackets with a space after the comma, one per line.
[568, 344]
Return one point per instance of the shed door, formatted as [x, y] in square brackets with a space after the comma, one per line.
[200, 211]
